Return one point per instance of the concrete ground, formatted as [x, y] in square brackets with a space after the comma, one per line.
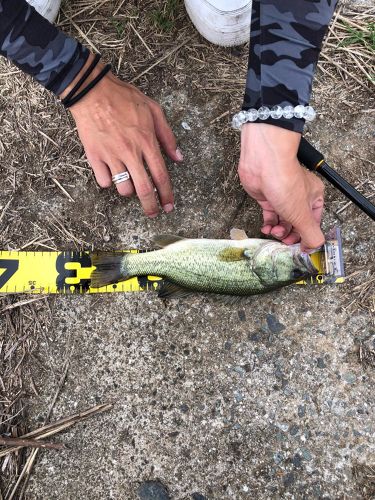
[266, 398]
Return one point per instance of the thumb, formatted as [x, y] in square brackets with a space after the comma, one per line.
[309, 230]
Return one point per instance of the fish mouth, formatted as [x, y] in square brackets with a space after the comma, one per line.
[304, 259]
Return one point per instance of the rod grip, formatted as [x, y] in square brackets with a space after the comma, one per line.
[314, 160]
[347, 189]
[308, 155]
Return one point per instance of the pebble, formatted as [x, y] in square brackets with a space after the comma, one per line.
[274, 324]
[153, 490]
[255, 337]
[238, 396]
[184, 408]
[294, 430]
[198, 496]
[288, 479]
[239, 370]
[278, 457]
[185, 126]
[320, 363]
[306, 454]
[241, 315]
[349, 377]
[297, 460]
[228, 345]
[301, 411]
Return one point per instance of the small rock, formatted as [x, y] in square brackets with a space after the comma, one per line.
[153, 490]
[297, 461]
[228, 345]
[238, 396]
[288, 479]
[306, 454]
[349, 377]
[198, 496]
[274, 324]
[184, 408]
[107, 237]
[241, 315]
[301, 411]
[294, 430]
[320, 363]
[239, 370]
[185, 126]
[278, 373]
[255, 337]
[278, 457]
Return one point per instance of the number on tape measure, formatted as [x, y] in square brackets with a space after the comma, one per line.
[11, 267]
[61, 281]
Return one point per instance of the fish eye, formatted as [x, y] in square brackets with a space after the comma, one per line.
[297, 273]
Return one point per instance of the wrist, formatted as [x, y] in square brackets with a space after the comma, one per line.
[263, 139]
[81, 83]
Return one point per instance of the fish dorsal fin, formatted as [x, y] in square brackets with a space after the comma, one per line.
[238, 234]
[163, 240]
[170, 290]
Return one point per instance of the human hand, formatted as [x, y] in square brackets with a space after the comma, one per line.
[291, 197]
[120, 129]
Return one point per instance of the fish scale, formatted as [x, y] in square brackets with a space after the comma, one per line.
[230, 267]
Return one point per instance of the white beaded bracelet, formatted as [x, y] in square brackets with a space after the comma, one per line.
[306, 112]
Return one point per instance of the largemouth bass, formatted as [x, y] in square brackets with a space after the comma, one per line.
[240, 266]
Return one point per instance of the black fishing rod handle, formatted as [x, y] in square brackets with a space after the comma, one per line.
[314, 160]
[308, 155]
[347, 189]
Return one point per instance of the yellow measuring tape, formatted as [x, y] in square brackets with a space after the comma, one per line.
[69, 272]
[59, 272]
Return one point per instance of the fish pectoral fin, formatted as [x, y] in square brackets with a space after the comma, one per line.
[238, 234]
[163, 240]
[170, 290]
[232, 254]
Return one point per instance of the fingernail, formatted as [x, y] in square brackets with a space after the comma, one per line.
[179, 155]
[153, 215]
[278, 234]
[168, 207]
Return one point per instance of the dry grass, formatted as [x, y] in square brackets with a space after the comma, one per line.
[152, 43]
[365, 479]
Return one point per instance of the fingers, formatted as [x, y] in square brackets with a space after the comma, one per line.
[143, 185]
[125, 188]
[101, 172]
[309, 229]
[164, 133]
[282, 229]
[160, 176]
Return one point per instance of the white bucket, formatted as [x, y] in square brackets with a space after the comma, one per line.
[222, 22]
[47, 8]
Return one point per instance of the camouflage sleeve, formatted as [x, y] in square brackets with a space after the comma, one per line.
[37, 47]
[285, 41]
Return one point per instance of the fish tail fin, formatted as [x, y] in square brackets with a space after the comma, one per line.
[110, 268]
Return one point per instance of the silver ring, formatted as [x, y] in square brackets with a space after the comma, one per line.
[121, 177]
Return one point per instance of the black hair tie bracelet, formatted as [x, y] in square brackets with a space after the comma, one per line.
[78, 85]
[88, 87]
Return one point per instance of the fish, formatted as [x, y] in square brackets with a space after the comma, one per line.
[239, 266]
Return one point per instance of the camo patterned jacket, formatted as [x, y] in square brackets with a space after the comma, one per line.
[39, 48]
[285, 40]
